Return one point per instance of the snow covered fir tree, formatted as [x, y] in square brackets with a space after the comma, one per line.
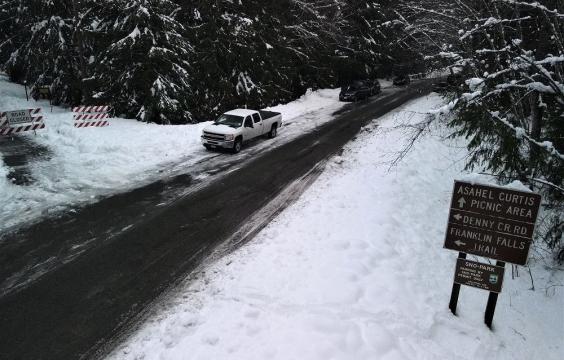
[145, 69]
[182, 61]
[512, 58]
[508, 98]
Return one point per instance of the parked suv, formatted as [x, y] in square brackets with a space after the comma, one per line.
[401, 80]
[359, 89]
[441, 86]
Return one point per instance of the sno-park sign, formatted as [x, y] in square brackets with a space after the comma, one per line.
[492, 222]
[479, 275]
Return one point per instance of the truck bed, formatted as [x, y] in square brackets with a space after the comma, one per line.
[268, 114]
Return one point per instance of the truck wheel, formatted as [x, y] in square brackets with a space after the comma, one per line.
[237, 146]
[273, 132]
[207, 147]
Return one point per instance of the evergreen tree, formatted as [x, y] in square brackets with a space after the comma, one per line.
[144, 71]
[258, 53]
[220, 33]
[15, 26]
[42, 52]
[173, 62]
[364, 47]
[509, 101]
[313, 31]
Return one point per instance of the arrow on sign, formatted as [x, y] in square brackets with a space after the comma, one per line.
[459, 243]
[461, 202]
[457, 217]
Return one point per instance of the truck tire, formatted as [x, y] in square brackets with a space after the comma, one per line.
[273, 131]
[207, 147]
[237, 145]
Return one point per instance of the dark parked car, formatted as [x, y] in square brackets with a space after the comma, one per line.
[441, 86]
[455, 79]
[360, 89]
[401, 80]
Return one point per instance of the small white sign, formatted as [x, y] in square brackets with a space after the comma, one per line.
[18, 117]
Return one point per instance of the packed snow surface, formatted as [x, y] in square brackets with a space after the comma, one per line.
[87, 163]
[355, 270]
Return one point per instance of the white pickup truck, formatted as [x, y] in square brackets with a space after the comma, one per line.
[238, 126]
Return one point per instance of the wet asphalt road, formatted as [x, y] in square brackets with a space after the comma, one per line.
[18, 153]
[140, 248]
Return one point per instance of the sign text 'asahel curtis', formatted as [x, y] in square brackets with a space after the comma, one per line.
[492, 222]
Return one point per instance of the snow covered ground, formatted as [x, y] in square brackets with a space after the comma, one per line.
[355, 270]
[87, 163]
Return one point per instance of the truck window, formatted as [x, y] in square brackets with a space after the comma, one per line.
[230, 120]
[256, 118]
[248, 122]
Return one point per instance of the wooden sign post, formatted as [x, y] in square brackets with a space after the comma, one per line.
[492, 222]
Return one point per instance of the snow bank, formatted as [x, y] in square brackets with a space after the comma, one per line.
[87, 163]
[355, 269]
[311, 101]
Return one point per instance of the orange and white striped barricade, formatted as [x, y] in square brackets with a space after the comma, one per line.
[91, 116]
[17, 121]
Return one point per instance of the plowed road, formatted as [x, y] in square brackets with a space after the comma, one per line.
[138, 245]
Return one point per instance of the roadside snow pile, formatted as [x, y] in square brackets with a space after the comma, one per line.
[84, 164]
[309, 102]
[355, 270]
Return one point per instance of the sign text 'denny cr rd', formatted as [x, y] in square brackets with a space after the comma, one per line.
[485, 222]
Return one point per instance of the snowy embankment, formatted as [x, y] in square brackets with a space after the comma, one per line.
[84, 164]
[355, 269]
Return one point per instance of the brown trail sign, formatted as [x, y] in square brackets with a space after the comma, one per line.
[492, 222]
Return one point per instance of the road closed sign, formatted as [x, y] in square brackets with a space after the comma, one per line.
[492, 222]
[17, 121]
[18, 117]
